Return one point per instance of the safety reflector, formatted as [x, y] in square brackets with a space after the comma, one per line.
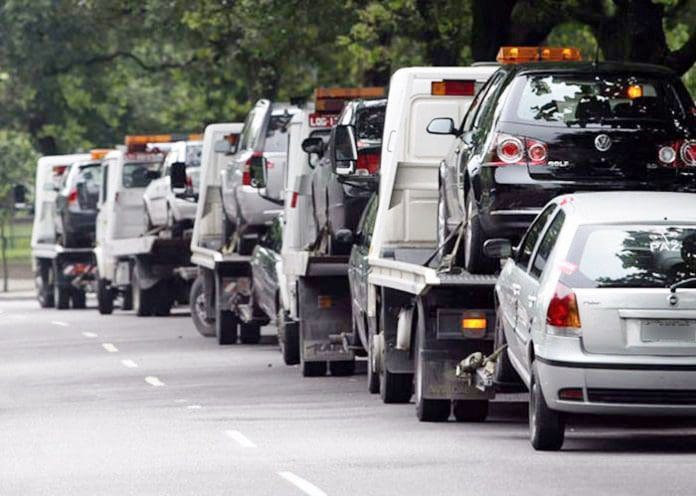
[571, 394]
[452, 87]
[324, 302]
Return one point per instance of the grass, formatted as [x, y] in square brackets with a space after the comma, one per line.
[19, 242]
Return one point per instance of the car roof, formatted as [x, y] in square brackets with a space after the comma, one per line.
[590, 68]
[629, 207]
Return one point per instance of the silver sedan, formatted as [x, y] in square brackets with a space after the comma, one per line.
[598, 308]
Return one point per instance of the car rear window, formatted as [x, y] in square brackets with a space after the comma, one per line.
[631, 256]
[590, 100]
[369, 124]
[193, 155]
[277, 134]
[135, 174]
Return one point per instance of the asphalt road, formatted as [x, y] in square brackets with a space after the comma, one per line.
[95, 405]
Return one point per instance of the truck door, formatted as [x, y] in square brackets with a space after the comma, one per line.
[101, 227]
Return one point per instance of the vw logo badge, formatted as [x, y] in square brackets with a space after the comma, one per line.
[602, 142]
[673, 300]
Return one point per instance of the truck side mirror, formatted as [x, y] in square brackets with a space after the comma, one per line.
[177, 176]
[497, 248]
[313, 146]
[345, 150]
[442, 125]
[257, 171]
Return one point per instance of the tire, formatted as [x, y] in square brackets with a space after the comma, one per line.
[470, 410]
[475, 261]
[372, 367]
[143, 299]
[199, 309]
[505, 373]
[127, 303]
[43, 283]
[288, 339]
[61, 296]
[313, 369]
[226, 328]
[79, 299]
[105, 298]
[442, 232]
[249, 333]
[343, 368]
[546, 426]
[163, 301]
[427, 409]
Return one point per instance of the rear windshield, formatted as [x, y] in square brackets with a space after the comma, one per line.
[277, 134]
[369, 124]
[90, 177]
[193, 155]
[586, 100]
[632, 256]
[135, 174]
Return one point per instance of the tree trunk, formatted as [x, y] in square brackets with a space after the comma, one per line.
[5, 275]
[490, 27]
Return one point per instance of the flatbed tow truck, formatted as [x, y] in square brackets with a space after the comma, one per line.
[149, 270]
[62, 275]
[431, 327]
[221, 303]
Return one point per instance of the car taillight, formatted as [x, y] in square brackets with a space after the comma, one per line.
[667, 154]
[368, 161]
[72, 197]
[246, 171]
[518, 150]
[688, 153]
[563, 308]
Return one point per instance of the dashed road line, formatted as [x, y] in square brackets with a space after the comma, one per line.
[59, 323]
[110, 347]
[240, 439]
[89, 335]
[301, 484]
[129, 364]
[154, 381]
[194, 407]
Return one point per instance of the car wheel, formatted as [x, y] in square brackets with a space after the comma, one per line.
[372, 370]
[342, 368]
[442, 232]
[199, 309]
[249, 333]
[475, 261]
[105, 297]
[504, 371]
[546, 426]
[44, 285]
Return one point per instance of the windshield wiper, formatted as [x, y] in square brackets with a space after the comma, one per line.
[684, 282]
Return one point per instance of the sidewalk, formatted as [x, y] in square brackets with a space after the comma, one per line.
[19, 289]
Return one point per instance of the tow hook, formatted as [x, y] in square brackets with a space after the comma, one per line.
[478, 369]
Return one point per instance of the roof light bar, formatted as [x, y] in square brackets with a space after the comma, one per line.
[516, 55]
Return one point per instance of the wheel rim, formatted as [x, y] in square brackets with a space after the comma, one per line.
[201, 308]
[532, 409]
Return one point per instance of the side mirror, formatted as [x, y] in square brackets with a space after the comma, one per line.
[345, 236]
[313, 146]
[19, 195]
[345, 150]
[177, 176]
[257, 171]
[442, 126]
[497, 248]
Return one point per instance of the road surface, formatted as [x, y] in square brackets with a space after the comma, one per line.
[101, 405]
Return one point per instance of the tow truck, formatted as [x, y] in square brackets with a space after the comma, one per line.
[430, 327]
[316, 313]
[149, 270]
[62, 275]
[221, 303]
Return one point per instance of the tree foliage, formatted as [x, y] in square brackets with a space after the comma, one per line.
[82, 73]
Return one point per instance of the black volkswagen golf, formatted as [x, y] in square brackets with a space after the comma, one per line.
[538, 130]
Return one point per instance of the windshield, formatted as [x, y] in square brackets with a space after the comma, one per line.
[572, 100]
[135, 174]
[630, 256]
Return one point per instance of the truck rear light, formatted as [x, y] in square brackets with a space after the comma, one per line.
[688, 153]
[72, 197]
[563, 309]
[571, 394]
[453, 87]
[324, 302]
[246, 170]
[368, 161]
[293, 199]
[474, 324]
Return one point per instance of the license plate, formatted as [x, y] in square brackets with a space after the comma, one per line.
[668, 330]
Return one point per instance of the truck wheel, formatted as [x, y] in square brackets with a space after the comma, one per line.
[199, 309]
[226, 325]
[470, 410]
[105, 298]
[546, 426]
[43, 283]
[162, 299]
[372, 367]
[249, 333]
[474, 259]
[79, 299]
[144, 300]
[343, 368]
[127, 302]
[288, 339]
[61, 296]
[313, 369]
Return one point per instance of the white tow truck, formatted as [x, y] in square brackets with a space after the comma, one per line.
[221, 303]
[430, 327]
[62, 275]
[150, 271]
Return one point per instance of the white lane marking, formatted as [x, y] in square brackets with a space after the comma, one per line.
[240, 438]
[181, 400]
[59, 323]
[129, 363]
[154, 381]
[194, 407]
[301, 484]
[109, 347]
[89, 335]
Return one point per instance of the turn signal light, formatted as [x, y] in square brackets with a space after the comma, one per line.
[634, 91]
[563, 309]
[474, 324]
